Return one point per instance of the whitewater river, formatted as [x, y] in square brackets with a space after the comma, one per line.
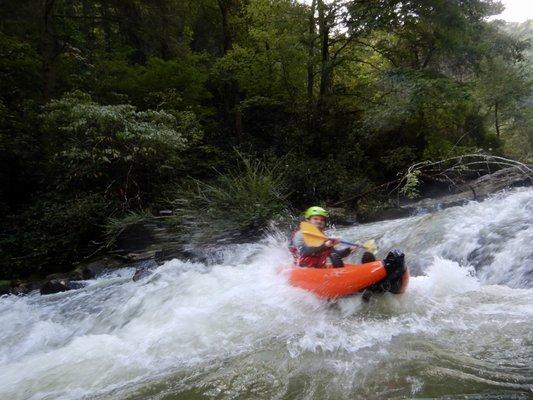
[234, 328]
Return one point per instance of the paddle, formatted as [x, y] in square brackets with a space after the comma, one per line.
[314, 237]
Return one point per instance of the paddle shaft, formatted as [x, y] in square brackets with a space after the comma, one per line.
[350, 243]
[340, 241]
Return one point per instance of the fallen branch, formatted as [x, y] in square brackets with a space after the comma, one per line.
[450, 170]
[454, 169]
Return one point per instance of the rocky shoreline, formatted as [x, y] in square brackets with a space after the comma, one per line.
[145, 246]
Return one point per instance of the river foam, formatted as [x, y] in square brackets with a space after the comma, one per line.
[235, 328]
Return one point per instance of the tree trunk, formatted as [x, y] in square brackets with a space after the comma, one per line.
[224, 6]
[167, 51]
[230, 92]
[311, 70]
[48, 49]
[311, 55]
[87, 27]
[325, 71]
[130, 25]
[238, 124]
[106, 26]
[496, 119]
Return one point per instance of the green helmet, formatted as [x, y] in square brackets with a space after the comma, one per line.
[315, 210]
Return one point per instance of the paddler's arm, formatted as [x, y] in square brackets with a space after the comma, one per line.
[304, 249]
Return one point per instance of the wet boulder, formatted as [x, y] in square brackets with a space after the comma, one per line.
[98, 267]
[72, 285]
[20, 288]
[142, 273]
[144, 269]
[54, 286]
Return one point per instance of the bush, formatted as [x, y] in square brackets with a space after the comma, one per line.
[116, 150]
[315, 180]
[20, 67]
[244, 198]
[50, 235]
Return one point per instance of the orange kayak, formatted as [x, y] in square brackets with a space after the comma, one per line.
[330, 283]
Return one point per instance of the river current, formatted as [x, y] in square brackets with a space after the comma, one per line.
[233, 328]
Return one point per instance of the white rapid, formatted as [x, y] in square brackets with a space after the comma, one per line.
[235, 329]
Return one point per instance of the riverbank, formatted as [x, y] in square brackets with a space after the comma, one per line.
[146, 245]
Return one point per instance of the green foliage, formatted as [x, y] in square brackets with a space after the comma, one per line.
[115, 149]
[177, 84]
[19, 70]
[320, 181]
[523, 31]
[246, 197]
[410, 187]
[397, 159]
[50, 234]
[269, 61]
[438, 148]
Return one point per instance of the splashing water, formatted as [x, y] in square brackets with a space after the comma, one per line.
[236, 329]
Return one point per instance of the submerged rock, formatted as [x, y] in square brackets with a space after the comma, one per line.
[142, 273]
[144, 269]
[72, 285]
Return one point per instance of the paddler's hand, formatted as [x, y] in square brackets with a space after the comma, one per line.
[331, 242]
[354, 248]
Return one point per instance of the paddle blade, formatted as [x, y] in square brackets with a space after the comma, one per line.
[370, 245]
[312, 235]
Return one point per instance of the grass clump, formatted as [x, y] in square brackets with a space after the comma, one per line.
[244, 198]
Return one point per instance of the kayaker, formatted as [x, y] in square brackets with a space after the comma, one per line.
[317, 257]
